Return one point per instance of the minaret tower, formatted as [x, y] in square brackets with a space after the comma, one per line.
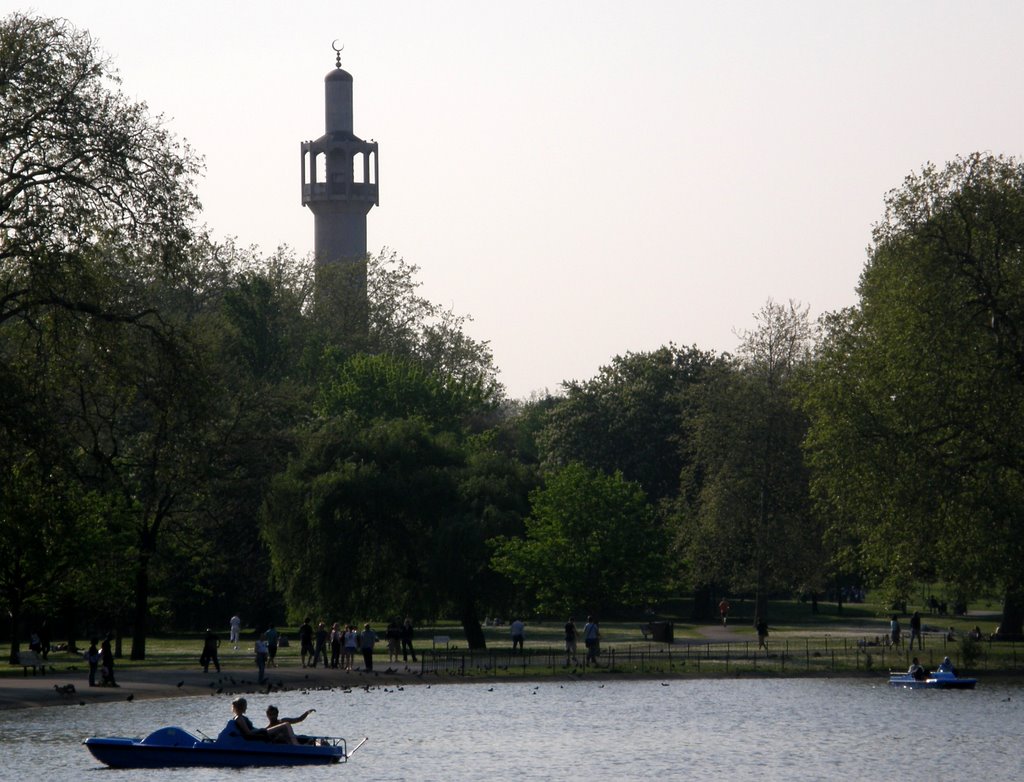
[339, 185]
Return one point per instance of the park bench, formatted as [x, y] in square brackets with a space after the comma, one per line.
[441, 640]
[31, 660]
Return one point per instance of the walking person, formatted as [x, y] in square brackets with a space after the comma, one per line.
[723, 611]
[210, 644]
[570, 642]
[236, 630]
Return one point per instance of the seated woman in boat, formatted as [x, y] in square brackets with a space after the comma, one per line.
[280, 728]
[946, 666]
[240, 726]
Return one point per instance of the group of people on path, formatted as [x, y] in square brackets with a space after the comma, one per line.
[343, 644]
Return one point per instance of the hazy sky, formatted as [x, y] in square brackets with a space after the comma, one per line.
[584, 178]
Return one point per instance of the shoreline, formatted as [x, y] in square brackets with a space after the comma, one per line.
[148, 684]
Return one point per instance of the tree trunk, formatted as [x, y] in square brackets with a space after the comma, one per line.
[471, 627]
[15, 614]
[703, 603]
[1013, 612]
[141, 608]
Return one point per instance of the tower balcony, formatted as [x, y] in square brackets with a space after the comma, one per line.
[340, 167]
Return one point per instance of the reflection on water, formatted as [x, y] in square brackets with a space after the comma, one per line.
[701, 729]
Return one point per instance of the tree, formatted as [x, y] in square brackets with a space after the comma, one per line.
[96, 209]
[81, 165]
[592, 540]
[746, 522]
[628, 418]
[917, 437]
[391, 481]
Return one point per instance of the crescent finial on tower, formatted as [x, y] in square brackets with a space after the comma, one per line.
[337, 52]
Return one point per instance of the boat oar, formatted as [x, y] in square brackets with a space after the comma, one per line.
[357, 746]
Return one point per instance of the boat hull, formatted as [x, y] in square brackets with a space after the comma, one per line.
[177, 748]
[936, 681]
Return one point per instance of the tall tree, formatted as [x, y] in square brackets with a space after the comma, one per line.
[747, 522]
[96, 208]
[917, 440]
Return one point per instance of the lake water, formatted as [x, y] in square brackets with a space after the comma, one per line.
[751, 729]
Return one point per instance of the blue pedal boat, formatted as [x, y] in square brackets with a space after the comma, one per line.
[937, 680]
[174, 747]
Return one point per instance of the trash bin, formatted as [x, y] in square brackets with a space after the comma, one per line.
[663, 632]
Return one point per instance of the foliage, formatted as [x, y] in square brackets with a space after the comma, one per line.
[629, 418]
[746, 523]
[917, 430]
[592, 542]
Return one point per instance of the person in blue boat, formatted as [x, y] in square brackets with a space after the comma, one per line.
[946, 666]
[918, 671]
[280, 728]
[240, 726]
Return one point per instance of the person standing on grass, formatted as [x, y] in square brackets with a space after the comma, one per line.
[261, 658]
[351, 641]
[92, 657]
[236, 629]
[592, 639]
[517, 628]
[210, 644]
[570, 642]
[367, 639]
[407, 640]
[272, 638]
[321, 645]
[915, 630]
[306, 643]
[761, 626]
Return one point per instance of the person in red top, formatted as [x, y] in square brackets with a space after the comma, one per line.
[723, 611]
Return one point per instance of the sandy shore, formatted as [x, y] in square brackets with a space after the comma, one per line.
[18, 692]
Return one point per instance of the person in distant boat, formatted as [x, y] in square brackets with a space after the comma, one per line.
[917, 670]
[280, 728]
[946, 666]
